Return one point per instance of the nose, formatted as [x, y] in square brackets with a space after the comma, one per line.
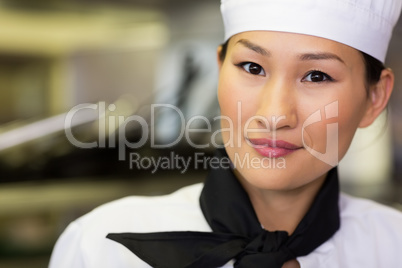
[277, 105]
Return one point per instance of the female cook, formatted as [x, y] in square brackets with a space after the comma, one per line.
[297, 78]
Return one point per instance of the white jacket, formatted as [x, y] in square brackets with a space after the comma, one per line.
[370, 235]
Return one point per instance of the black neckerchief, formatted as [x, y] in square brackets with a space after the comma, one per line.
[236, 232]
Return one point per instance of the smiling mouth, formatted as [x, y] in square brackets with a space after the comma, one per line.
[273, 148]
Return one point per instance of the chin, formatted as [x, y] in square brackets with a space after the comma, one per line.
[288, 178]
[269, 179]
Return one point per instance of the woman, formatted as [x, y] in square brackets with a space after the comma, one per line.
[297, 78]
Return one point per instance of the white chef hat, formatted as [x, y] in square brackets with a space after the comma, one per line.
[362, 24]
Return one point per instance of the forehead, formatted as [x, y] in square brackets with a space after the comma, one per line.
[293, 44]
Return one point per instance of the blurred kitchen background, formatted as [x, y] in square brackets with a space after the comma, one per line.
[114, 59]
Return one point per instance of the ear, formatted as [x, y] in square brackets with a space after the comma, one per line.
[379, 95]
[218, 57]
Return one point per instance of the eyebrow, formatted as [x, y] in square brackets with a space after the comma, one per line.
[253, 47]
[302, 57]
[320, 56]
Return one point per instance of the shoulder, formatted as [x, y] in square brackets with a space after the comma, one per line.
[85, 240]
[371, 231]
[369, 215]
[143, 213]
[370, 236]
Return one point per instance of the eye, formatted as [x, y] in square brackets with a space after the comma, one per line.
[252, 68]
[317, 77]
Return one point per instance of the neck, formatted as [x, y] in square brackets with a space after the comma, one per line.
[282, 210]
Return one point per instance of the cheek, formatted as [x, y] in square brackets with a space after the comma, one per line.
[227, 101]
[235, 102]
[228, 110]
[351, 112]
[339, 120]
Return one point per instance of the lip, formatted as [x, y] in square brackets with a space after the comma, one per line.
[273, 148]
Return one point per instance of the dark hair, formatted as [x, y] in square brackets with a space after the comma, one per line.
[224, 49]
[373, 66]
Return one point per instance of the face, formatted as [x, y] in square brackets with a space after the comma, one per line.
[290, 105]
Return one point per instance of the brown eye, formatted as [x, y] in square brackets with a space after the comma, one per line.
[253, 68]
[316, 77]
